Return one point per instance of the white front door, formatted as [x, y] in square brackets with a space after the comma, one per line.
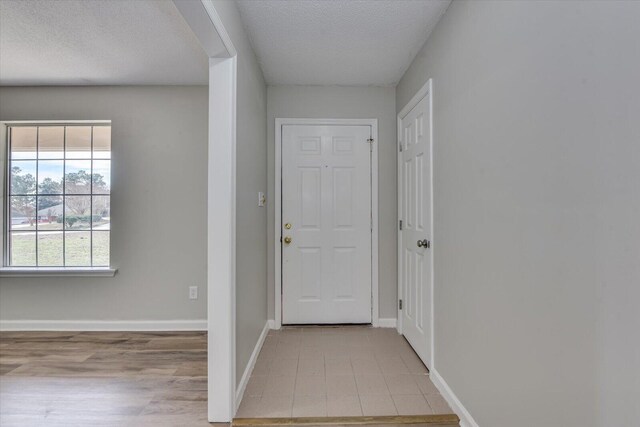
[416, 261]
[326, 224]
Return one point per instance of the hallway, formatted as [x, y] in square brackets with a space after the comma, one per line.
[339, 372]
[438, 198]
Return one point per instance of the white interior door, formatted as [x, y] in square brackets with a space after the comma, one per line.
[326, 214]
[416, 261]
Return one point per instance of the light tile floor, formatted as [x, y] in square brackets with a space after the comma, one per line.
[339, 371]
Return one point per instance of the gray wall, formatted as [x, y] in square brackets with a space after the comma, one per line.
[251, 176]
[333, 102]
[614, 141]
[159, 206]
[537, 200]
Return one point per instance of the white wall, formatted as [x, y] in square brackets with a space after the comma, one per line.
[251, 176]
[159, 141]
[336, 102]
[537, 200]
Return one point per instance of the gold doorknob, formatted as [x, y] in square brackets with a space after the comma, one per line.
[287, 226]
[287, 240]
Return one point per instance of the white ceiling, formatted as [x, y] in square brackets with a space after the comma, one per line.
[338, 42]
[86, 42]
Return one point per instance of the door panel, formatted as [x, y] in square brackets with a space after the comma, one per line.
[416, 210]
[326, 199]
[310, 210]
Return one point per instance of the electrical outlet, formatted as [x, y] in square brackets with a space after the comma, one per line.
[262, 199]
[193, 292]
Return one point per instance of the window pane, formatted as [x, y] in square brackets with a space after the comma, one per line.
[50, 210]
[78, 142]
[101, 212]
[50, 248]
[51, 142]
[77, 248]
[50, 174]
[23, 142]
[77, 213]
[23, 177]
[102, 176]
[102, 142]
[101, 248]
[59, 198]
[78, 177]
[23, 213]
[23, 249]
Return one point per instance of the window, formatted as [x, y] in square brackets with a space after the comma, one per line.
[58, 204]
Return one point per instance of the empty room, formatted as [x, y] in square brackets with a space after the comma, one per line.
[320, 212]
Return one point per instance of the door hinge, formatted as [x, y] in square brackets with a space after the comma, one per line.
[400, 304]
[400, 224]
[370, 140]
[400, 147]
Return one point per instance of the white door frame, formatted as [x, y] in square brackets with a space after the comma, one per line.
[206, 24]
[426, 90]
[221, 240]
[278, 207]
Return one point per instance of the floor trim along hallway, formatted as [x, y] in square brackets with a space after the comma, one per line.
[423, 420]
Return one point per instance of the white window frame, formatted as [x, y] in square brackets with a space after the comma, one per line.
[5, 269]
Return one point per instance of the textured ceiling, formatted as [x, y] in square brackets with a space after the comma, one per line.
[338, 42]
[87, 42]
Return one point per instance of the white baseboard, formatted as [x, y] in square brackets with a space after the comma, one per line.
[387, 323]
[466, 420]
[103, 325]
[252, 362]
[272, 323]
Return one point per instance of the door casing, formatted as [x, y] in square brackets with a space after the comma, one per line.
[426, 90]
[279, 123]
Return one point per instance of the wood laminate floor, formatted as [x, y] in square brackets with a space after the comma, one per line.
[103, 379]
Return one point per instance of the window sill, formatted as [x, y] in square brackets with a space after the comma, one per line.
[57, 272]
